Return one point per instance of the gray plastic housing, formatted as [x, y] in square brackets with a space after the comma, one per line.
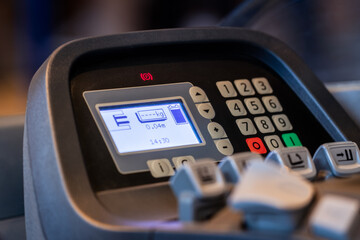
[59, 201]
[325, 160]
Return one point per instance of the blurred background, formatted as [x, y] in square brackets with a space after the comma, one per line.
[325, 33]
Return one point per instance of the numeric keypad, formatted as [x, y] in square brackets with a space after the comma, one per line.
[256, 97]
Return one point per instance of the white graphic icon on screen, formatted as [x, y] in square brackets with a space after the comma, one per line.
[152, 115]
[121, 121]
[177, 114]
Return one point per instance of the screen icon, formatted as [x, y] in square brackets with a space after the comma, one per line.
[121, 121]
[152, 115]
[177, 114]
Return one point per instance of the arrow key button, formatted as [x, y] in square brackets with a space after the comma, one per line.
[206, 110]
[198, 95]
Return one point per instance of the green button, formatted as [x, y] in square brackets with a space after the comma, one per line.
[291, 140]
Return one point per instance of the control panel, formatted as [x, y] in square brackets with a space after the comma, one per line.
[154, 134]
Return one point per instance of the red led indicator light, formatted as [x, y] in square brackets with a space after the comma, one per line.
[146, 76]
[256, 145]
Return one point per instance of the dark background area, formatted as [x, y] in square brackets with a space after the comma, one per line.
[325, 33]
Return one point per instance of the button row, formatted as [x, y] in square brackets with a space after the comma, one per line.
[162, 167]
[236, 107]
[264, 124]
[272, 142]
[244, 87]
[206, 110]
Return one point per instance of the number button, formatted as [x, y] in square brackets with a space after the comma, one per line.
[272, 104]
[291, 140]
[282, 122]
[246, 126]
[273, 142]
[226, 89]
[236, 107]
[264, 124]
[256, 145]
[262, 85]
[244, 87]
[254, 105]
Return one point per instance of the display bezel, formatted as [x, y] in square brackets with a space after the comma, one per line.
[137, 162]
[154, 102]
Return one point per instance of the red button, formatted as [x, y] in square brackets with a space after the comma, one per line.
[256, 145]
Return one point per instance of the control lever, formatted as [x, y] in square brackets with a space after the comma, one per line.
[297, 159]
[233, 166]
[200, 189]
[342, 159]
[271, 198]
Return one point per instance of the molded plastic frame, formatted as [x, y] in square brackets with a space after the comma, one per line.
[59, 201]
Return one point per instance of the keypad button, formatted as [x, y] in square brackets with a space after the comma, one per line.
[291, 140]
[273, 142]
[282, 122]
[160, 168]
[206, 110]
[262, 85]
[256, 145]
[224, 146]
[182, 160]
[264, 124]
[236, 107]
[254, 105]
[226, 89]
[246, 126]
[272, 104]
[216, 130]
[198, 95]
[244, 87]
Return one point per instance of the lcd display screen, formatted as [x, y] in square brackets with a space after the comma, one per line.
[149, 126]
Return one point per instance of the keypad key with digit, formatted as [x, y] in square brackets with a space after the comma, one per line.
[272, 104]
[273, 142]
[282, 122]
[262, 85]
[226, 89]
[246, 126]
[254, 105]
[264, 124]
[236, 107]
[244, 87]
